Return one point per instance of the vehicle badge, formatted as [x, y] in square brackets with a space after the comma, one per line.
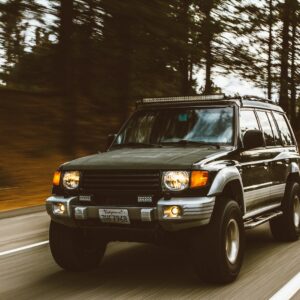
[145, 199]
[85, 198]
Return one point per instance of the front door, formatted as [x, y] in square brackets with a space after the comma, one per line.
[256, 174]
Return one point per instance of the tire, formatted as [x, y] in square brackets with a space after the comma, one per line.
[286, 228]
[216, 259]
[74, 249]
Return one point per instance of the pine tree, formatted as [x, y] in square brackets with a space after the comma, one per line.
[65, 72]
[12, 33]
[87, 39]
[285, 50]
[14, 25]
[252, 25]
[208, 32]
[148, 48]
[270, 48]
[294, 39]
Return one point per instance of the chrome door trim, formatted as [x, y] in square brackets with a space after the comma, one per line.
[277, 191]
[264, 194]
[258, 186]
[261, 194]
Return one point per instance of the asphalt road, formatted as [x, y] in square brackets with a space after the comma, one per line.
[135, 271]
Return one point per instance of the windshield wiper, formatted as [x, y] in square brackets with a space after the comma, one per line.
[132, 144]
[189, 142]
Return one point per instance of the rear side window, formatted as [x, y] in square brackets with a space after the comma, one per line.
[248, 121]
[277, 139]
[285, 132]
[266, 127]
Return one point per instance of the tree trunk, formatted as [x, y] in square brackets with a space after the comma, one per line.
[69, 137]
[207, 40]
[293, 66]
[208, 66]
[284, 76]
[88, 67]
[270, 49]
[125, 65]
[184, 62]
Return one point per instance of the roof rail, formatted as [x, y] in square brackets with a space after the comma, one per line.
[256, 98]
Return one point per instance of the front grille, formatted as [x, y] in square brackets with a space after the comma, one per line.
[121, 181]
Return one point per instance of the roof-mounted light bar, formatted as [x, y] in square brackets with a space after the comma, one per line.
[183, 99]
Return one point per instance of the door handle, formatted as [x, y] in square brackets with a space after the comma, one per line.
[250, 167]
[276, 163]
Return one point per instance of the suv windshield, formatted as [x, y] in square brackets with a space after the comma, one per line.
[181, 126]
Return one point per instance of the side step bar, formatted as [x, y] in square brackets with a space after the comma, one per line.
[253, 222]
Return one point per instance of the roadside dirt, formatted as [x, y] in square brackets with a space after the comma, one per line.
[30, 147]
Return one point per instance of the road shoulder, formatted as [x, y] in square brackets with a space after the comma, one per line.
[21, 211]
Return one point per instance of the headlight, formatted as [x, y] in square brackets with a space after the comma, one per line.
[71, 180]
[176, 180]
[180, 180]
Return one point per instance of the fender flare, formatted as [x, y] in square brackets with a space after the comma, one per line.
[294, 169]
[224, 177]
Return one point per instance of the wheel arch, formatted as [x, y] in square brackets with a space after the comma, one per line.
[234, 190]
[228, 183]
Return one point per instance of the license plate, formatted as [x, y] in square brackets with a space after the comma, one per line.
[116, 216]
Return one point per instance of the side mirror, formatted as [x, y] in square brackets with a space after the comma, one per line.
[253, 139]
[110, 138]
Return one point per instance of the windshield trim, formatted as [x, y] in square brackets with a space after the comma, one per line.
[202, 106]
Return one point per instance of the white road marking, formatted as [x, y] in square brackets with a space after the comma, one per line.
[288, 290]
[23, 248]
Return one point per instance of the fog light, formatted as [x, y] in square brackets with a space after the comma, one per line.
[59, 209]
[172, 211]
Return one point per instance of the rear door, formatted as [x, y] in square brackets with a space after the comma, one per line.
[274, 147]
[282, 157]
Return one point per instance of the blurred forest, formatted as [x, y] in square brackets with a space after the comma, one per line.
[71, 70]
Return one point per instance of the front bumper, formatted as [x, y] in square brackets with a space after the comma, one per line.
[196, 211]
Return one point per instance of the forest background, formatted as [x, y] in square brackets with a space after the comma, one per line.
[71, 71]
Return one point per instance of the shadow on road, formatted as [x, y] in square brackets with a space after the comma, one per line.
[140, 268]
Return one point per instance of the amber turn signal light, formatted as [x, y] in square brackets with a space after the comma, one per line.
[198, 179]
[56, 178]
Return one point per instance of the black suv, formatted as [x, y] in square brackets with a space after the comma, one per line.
[186, 171]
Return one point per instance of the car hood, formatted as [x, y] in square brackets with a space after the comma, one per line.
[165, 158]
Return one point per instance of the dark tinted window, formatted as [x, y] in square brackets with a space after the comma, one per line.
[277, 139]
[248, 121]
[285, 133]
[266, 127]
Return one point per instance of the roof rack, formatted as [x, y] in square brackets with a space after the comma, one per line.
[256, 98]
[183, 99]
